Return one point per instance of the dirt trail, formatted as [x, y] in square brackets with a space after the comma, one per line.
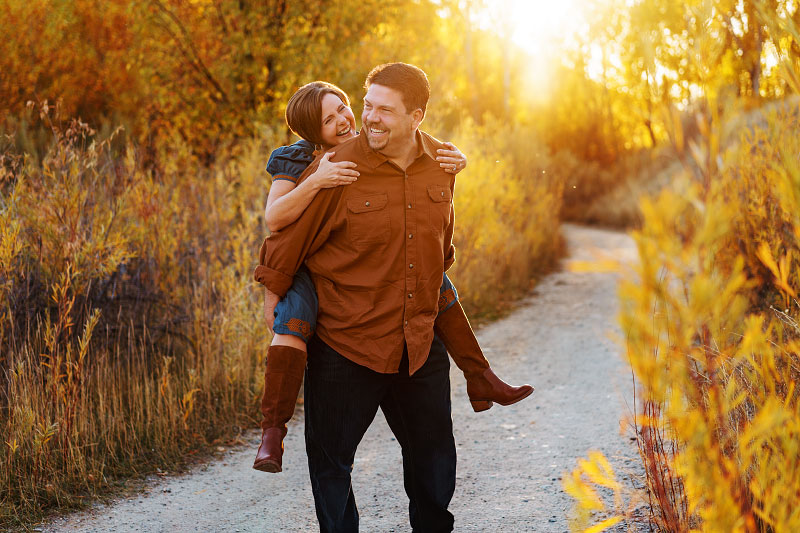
[510, 459]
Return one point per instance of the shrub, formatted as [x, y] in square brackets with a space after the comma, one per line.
[507, 224]
[711, 321]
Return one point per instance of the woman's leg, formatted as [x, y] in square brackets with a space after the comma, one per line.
[483, 385]
[295, 319]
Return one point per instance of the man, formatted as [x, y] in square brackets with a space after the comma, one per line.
[377, 250]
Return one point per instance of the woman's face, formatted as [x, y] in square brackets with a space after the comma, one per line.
[338, 121]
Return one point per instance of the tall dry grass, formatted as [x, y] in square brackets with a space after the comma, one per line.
[130, 326]
[129, 333]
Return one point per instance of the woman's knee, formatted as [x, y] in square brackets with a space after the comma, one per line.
[288, 340]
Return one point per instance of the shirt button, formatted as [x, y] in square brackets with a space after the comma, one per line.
[367, 203]
[410, 235]
[409, 206]
[411, 265]
[410, 295]
[442, 193]
[405, 323]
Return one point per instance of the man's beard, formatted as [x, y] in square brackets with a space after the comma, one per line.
[379, 143]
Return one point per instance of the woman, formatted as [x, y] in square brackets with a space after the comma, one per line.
[319, 112]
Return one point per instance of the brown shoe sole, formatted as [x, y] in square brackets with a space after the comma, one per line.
[483, 405]
[267, 465]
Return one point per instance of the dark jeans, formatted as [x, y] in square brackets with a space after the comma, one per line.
[341, 400]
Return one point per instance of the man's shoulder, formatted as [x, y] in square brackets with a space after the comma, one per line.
[348, 150]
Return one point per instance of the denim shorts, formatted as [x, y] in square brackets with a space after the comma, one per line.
[448, 295]
[296, 313]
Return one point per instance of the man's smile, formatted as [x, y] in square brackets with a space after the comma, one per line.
[374, 131]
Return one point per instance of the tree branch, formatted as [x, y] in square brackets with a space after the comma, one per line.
[195, 59]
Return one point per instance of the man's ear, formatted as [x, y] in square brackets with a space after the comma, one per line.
[417, 115]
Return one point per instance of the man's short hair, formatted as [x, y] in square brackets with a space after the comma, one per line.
[410, 81]
[304, 110]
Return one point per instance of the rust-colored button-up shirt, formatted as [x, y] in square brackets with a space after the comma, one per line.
[377, 250]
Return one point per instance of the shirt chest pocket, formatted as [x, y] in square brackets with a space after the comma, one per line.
[368, 219]
[439, 207]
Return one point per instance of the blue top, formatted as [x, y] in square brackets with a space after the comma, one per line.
[288, 162]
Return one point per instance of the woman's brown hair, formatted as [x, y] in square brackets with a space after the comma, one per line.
[304, 110]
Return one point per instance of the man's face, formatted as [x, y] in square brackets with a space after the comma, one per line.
[385, 121]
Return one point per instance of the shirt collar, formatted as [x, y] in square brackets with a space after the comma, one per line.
[426, 145]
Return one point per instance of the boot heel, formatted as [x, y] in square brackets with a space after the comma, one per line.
[480, 405]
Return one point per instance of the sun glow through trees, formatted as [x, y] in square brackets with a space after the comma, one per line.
[541, 29]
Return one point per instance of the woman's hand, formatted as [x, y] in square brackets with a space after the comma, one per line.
[330, 174]
[451, 160]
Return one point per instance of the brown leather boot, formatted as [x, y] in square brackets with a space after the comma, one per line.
[483, 385]
[282, 380]
[270, 453]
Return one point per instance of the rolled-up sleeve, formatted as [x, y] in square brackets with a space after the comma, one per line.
[275, 280]
[284, 251]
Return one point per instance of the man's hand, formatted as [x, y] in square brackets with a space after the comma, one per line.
[270, 301]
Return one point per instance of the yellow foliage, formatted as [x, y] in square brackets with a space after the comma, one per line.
[710, 316]
[580, 483]
[507, 214]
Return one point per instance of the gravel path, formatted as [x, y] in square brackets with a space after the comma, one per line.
[510, 459]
